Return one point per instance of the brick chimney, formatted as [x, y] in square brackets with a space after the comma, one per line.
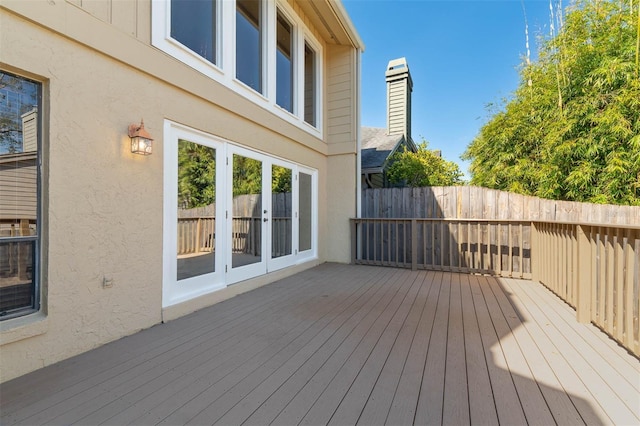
[399, 87]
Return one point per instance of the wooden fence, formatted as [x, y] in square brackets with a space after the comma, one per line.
[471, 202]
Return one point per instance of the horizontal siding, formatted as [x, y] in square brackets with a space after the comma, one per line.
[340, 96]
[18, 190]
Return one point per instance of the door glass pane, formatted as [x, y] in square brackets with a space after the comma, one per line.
[196, 209]
[246, 226]
[193, 23]
[284, 65]
[309, 85]
[249, 43]
[281, 211]
[305, 212]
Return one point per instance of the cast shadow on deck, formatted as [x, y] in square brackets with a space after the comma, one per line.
[335, 344]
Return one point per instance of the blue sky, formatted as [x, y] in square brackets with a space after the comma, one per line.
[462, 56]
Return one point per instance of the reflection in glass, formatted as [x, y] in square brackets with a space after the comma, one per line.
[193, 23]
[17, 266]
[246, 234]
[196, 209]
[309, 85]
[284, 64]
[249, 43]
[305, 212]
[19, 99]
[281, 212]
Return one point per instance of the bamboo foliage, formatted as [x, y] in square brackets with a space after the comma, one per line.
[574, 132]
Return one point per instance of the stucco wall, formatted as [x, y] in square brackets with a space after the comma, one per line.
[103, 205]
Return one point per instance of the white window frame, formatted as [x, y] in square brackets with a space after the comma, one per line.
[224, 71]
[318, 83]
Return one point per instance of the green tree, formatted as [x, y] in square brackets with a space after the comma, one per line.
[423, 168]
[572, 129]
[196, 175]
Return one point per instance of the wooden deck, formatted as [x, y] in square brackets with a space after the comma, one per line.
[342, 344]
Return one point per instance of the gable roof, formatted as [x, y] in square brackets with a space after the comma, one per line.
[377, 146]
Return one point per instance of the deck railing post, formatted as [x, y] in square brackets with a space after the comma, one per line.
[583, 300]
[414, 244]
[354, 245]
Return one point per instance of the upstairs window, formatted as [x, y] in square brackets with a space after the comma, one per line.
[284, 63]
[193, 23]
[260, 49]
[249, 43]
[19, 195]
[310, 95]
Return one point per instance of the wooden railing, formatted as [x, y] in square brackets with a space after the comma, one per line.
[595, 269]
[197, 235]
[461, 245]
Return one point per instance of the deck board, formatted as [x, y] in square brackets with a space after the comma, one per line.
[346, 344]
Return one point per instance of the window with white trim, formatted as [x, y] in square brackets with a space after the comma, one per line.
[284, 63]
[193, 24]
[20, 224]
[249, 43]
[260, 49]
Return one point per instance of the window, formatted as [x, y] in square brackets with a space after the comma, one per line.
[310, 85]
[284, 64]
[19, 200]
[260, 49]
[249, 43]
[193, 23]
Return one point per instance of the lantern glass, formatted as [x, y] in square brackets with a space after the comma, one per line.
[140, 145]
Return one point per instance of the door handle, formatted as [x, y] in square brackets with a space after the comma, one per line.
[265, 220]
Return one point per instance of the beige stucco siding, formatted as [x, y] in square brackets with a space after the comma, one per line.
[102, 205]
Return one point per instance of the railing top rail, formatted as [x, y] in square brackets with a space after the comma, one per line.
[592, 224]
[440, 219]
[528, 221]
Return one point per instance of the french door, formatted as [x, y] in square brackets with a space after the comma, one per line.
[260, 214]
[230, 214]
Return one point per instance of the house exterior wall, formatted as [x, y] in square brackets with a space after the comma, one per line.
[102, 205]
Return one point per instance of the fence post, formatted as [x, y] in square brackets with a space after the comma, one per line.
[198, 232]
[354, 240]
[414, 245]
[534, 249]
[583, 300]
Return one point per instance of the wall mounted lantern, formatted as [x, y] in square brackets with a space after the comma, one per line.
[141, 140]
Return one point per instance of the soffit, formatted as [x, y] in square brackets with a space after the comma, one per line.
[332, 22]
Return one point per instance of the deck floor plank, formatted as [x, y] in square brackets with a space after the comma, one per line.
[297, 370]
[560, 405]
[347, 344]
[377, 406]
[430, 400]
[323, 408]
[587, 363]
[405, 401]
[482, 409]
[534, 405]
[569, 380]
[617, 357]
[508, 407]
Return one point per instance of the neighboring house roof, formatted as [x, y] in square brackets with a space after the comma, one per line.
[377, 146]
